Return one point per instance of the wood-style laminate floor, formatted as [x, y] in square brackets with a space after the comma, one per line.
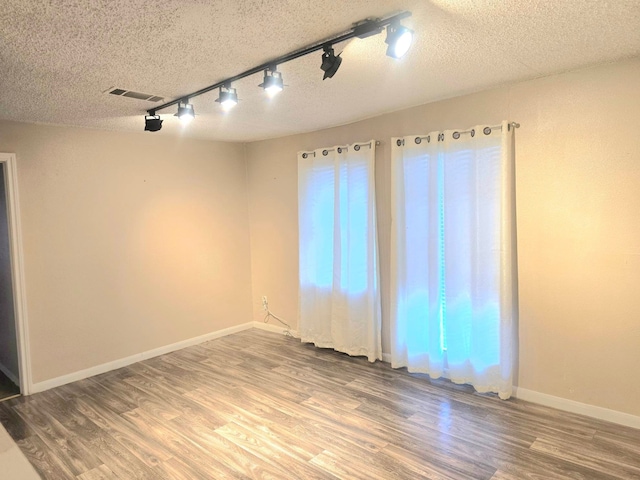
[263, 406]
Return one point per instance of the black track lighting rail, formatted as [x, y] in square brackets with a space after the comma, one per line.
[361, 29]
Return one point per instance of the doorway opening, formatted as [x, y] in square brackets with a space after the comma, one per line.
[14, 359]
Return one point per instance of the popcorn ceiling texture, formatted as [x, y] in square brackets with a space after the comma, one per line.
[57, 57]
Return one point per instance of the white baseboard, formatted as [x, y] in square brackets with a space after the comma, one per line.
[572, 406]
[13, 377]
[269, 327]
[123, 362]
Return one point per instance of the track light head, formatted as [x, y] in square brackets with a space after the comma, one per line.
[152, 123]
[272, 83]
[186, 112]
[228, 98]
[330, 62]
[399, 39]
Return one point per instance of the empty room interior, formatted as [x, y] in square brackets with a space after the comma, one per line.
[382, 239]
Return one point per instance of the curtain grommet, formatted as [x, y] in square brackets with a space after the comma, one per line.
[304, 155]
[456, 135]
[418, 140]
[339, 150]
[428, 138]
[487, 130]
[473, 132]
[325, 152]
[356, 148]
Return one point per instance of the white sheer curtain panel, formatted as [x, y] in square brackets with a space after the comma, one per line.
[339, 289]
[452, 244]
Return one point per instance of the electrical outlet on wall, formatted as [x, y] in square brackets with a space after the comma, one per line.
[265, 304]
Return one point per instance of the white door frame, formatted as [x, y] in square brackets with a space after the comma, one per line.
[17, 270]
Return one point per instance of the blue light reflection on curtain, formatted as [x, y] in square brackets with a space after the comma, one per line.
[319, 243]
[452, 291]
[471, 256]
[353, 218]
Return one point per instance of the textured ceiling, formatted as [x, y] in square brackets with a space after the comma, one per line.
[57, 57]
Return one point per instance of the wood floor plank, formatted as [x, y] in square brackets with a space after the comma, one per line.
[468, 428]
[259, 405]
[99, 473]
[13, 423]
[326, 436]
[177, 384]
[273, 452]
[189, 439]
[70, 450]
[344, 464]
[121, 460]
[142, 446]
[179, 470]
[44, 459]
[608, 462]
[230, 460]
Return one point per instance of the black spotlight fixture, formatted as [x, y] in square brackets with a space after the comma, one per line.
[330, 62]
[399, 39]
[185, 112]
[152, 123]
[272, 83]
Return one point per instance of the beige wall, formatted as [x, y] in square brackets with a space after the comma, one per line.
[578, 202]
[8, 340]
[131, 241]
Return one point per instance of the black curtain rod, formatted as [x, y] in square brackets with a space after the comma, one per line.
[361, 29]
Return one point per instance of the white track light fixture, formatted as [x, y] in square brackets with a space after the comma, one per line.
[185, 112]
[152, 123]
[399, 39]
[272, 83]
[228, 97]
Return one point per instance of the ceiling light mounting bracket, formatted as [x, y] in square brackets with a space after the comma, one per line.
[367, 28]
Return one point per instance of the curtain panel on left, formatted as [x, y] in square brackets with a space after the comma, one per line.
[339, 282]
